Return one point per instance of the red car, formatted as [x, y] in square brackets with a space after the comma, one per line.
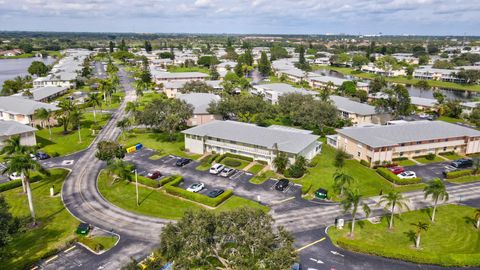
[397, 170]
[154, 175]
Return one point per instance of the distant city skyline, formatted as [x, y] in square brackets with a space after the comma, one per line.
[390, 17]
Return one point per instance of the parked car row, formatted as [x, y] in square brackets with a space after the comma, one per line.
[197, 187]
[220, 169]
[401, 173]
[458, 164]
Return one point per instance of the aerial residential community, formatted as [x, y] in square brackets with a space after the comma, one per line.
[320, 135]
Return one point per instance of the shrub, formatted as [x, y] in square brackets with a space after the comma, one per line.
[295, 171]
[387, 174]
[212, 158]
[447, 153]
[232, 162]
[148, 182]
[168, 179]
[430, 156]
[15, 183]
[365, 163]
[172, 188]
[459, 173]
[399, 159]
[230, 155]
[263, 162]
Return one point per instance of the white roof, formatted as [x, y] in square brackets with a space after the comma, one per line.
[347, 105]
[19, 105]
[10, 128]
[199, 101]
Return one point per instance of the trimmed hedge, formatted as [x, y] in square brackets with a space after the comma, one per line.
[232, 162]
[14, 184]
[263, 162]
[230, 155]
[172, 189]
[387, 174]
[459, 173]
[365, 163]
[399, 159]
[148, 182]
[168, 179]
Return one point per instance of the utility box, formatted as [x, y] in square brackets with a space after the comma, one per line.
[339, 223]
[138, 146]
[321, 193]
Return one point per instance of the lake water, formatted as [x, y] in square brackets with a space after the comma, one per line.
[414, 91]
[10, 68]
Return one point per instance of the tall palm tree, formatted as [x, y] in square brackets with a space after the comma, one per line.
[342, 180]
[132, 108]
[24, 164]
[392, 200]
[106, 87]
[477, 217]
[124, 124]
[421, 227]
[351, 202]
[44, 115]
[13, 145]
[93, 100]
[436, 188]
[119, 170]
[64, 115]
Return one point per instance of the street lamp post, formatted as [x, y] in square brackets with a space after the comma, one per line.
[136, 185]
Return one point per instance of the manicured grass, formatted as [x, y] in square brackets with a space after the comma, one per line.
[424, 160]
[242, 165]
[116, 101]
[157, 203]
[204, 166]
[450, 119]
[23, 55]
[56, 225]
[256, 168]
[367, 181]
[64, 144]
[158, 142]
[452, 156]
[403, 80]
[451, 241]
[406, 162]
[465, 179]
[260, 178]
[412, 187]
[188, 69]
[98, 243]
[148, 97]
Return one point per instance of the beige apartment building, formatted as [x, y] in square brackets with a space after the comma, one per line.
[378, 144]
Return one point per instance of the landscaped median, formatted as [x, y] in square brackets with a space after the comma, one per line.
[462, 176]
[452, 240]
[387, 174]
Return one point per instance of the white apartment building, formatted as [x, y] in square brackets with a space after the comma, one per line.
[9, 129]
[271, 92]
[21, 110]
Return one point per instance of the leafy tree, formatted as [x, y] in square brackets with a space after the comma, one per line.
[397, 102]
[298, 168]
[437, 190]
[277, 52]
[423, 84]
[26, 46]
[348, 88]
[196, 87]
[8, 225]
[123, 55]
[420, 227]
[392, 200]
[302, 63]
[238, 69]
[264, 66]
[341, 181]
[358, 60]
[120, 170]
[443, 64]
[453, 108]
[362, 95]
[351, 203]
[165, 55]
[423, 60]
[214, 75]
[340, 157]
[244, 108]
[240, 239]
[474, 117]
[14, 86]
[207, 60]
[123, 45]
[166, 115]
[148, 46]
[124, 124]
[109, 150]
[470, 76]
[38, 68]
[340, 59]
[281, 161]
[24, 165]
[230, 53]
[377, 84]
[44, 115]
[95, 101]
[111, 46]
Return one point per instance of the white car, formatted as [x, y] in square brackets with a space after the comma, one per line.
[407, 175]
[217, 168]
[226, 172]
[196, 187]
[15, 176]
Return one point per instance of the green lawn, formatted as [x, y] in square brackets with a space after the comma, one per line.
[98, 243]
[403, 80]
[424, 160]
[451, 241]
[64, 144]
[452, 156]
[450, 119]
[367, 181]
[228, 160]
[157, 203]
[158, 142]
[465, 179]
[256, 168]
[57, 226]
[260, 178]
[188, 69]
[406, 162]
[203, 166]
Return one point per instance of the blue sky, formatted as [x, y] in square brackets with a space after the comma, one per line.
[424, 17]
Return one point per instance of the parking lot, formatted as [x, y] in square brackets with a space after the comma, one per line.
[238, 182]
[429, 171]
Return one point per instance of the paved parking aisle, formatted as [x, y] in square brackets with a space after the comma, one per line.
[73, 257]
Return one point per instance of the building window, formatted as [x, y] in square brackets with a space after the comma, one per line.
[401, 154]
[444, 149]
[419, 142]
[402, 144]
[417, 152]
[359, 154]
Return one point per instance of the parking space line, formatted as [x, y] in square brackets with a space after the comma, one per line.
[311, 244]
[67, 250]
[51, 259]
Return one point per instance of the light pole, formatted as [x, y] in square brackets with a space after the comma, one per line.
[136, 185]
[79, 134]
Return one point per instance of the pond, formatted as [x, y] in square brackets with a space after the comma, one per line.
[413, 90]
[10, 68]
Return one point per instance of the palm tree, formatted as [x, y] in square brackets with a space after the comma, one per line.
[124, 124]
[44, 115]
[24, 164]
[421, 227]
[13, 146]
[106, 87]
[342, 180]
[436, 188]
[477, 217]
[64, 115]
[140, 87]
[93, 100]
[350, 203]
[132, 108]
[119, 170]
[391, 200]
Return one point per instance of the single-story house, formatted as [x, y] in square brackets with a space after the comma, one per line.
[322, 81]
[47, 93]
[163, 77]
[259, 143]
[21, 110]
[172, 89]
[378, 144]
[11, 128]
[271, 92]
[200, 103]
[359, 113]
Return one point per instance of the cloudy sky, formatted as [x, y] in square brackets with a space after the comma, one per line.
[431, 17]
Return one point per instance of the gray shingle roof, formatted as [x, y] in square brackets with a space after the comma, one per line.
[347, 105]
[45, 92]
[289, 141]
[391, 135]
[283, 88]
[19, 105]
[9, 128]
[179, 75]
[199, 101]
